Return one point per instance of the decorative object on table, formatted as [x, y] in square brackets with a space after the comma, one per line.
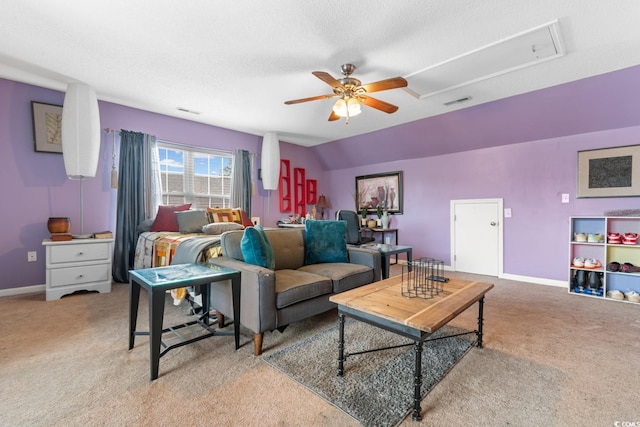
[47, 126]
[107, 234]
[322, 204]
[609, 172]
[363, 214]
[379, 214]
[371, 223]
[80, 137]
[60, 228]
[383, 189]
[386, 219]
[424, 278]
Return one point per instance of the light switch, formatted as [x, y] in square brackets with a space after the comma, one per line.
[565, 198]
[507, 213]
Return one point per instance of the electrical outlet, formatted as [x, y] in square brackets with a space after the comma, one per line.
[565, 198]
[32, 256]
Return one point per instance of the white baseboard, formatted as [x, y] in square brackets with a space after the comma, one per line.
[518, 278]
[22, 290]
[536, 280]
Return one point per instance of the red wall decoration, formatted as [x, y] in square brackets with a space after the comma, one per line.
[299, 191]
[284, 189]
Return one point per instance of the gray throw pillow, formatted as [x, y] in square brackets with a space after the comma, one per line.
[191, 221]
[220, 227]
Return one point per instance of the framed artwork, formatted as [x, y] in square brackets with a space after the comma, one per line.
[383, 189]
[609, 172]
[47, 127]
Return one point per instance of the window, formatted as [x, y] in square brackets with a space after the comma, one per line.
[195, 175]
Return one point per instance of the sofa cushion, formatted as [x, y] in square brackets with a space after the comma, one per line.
[325, 242]
[294, 286]
[344, 276]
[256, 248]
[288, 247]
[191, 221]
[166, 218]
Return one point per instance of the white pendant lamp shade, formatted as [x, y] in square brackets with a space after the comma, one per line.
[80, 131]
[270, 161]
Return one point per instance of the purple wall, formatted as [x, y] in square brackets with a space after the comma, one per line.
[35, 185]
[529, 176]
[460, 155]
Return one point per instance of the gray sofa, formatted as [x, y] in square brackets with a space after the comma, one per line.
[272, 299]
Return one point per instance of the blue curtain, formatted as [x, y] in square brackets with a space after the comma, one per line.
[130, 209]
[241, 191]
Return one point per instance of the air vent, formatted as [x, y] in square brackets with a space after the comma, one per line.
[458, 101]
[186, 110]
[525, 49]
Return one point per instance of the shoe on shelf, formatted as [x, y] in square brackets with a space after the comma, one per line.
[614, 238]
[613, 266]
[578, 262]
[615, 294]
[580, 237]
[592, 263]
[632, 296]
[630, 239]
[627, 267]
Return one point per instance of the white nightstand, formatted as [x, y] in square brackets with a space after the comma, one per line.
[79, 264]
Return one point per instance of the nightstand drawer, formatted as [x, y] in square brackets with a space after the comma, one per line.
[79, 275]
[81, 252]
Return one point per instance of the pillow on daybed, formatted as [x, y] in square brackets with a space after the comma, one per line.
[191, 221]
[220, 227]
[325, 241]
[166, 218]
[256, 248]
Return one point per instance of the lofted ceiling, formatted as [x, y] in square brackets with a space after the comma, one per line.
[234, 64]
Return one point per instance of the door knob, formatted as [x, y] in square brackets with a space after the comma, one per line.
[492, 223]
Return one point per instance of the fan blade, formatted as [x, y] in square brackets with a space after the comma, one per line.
[387, 84]
[378, 105]
[333, 116]
[327, 78]
[313, 98]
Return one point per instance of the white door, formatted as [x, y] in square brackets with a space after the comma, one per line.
[476, 236]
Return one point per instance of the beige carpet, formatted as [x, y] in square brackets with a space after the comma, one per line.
[66, 363]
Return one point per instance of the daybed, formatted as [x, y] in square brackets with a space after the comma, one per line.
[306, 267]
[178, 234]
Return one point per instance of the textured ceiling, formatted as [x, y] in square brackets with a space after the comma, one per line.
[237, 62]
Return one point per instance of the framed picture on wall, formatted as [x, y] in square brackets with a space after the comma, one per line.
[47, 127]
[382, 189]
[609, 172]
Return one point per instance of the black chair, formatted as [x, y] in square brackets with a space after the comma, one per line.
[354, 233]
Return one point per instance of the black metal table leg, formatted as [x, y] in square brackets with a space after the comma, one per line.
[134, 300]
[341, 345]
[156, 315]
[235, 290]
[417, 381]
[480, 321]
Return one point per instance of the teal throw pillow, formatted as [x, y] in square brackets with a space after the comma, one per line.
[256, 248]
[325, 242]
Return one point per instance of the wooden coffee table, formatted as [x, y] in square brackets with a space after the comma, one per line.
[381, 304]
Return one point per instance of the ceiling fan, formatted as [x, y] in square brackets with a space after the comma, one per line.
[351, 93]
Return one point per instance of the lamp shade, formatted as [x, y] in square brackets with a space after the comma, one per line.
[322, 202]
[270, 161]
[80, 131]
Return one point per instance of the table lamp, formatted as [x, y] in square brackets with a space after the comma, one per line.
[322, 204]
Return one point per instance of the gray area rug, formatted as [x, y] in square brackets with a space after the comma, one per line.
[377, 387]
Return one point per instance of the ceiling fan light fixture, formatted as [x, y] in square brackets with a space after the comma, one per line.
[347, 107]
